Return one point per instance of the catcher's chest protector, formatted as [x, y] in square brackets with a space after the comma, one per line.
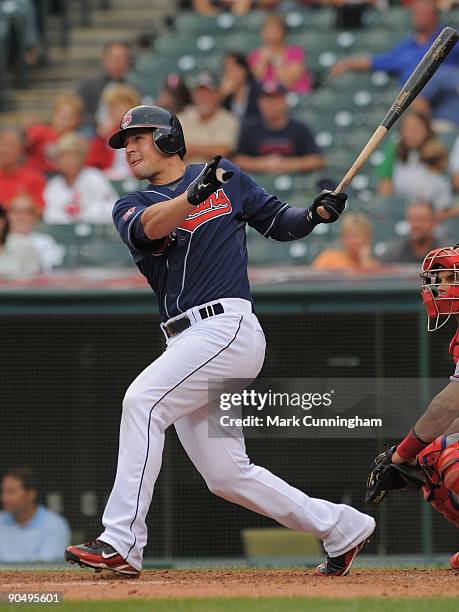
[438, 461]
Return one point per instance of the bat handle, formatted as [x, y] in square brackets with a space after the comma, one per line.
[371, 145]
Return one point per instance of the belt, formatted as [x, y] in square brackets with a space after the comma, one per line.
[179, 325]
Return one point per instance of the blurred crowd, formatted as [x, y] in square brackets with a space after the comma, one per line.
[64, 173]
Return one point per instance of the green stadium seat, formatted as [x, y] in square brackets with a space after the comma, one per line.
[152, 64]
[315, 41]
[126, 186]
[448, 138]
[241, 41]
[3, 66]
[97, 252]
[320, 19]
[394, 18]
[189, 22]
[89, 245]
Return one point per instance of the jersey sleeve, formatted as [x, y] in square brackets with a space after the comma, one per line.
[127, 214]
[260, 210]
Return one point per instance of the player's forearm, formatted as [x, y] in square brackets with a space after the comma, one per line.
[292, 224]
[249, 163]
[304, 163]
[453, 428]
[441, 413]
[359, 63]
[162, 218]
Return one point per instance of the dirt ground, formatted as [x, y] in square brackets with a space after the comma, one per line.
[85, 584]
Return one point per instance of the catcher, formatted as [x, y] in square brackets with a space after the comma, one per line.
[428, 457]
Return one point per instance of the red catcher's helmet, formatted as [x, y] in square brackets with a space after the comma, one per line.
[442, 302]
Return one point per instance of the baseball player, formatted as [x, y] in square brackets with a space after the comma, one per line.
[186, 233]
[432, 445]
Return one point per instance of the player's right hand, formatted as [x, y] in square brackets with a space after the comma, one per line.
[210, 179]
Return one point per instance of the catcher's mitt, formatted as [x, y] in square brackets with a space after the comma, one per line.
[385, 476]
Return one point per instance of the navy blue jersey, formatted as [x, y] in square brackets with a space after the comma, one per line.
[206, 257]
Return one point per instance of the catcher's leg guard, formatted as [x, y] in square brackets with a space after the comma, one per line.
[440, 462]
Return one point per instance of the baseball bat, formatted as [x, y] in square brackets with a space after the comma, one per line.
[421, 75]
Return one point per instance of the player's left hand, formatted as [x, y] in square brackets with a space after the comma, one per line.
[210, 179]
[327, 207]
[385, 476]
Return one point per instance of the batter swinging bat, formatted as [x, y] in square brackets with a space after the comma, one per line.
[423, 72]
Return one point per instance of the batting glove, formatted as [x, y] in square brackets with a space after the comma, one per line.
[333, 203]
[210, 179]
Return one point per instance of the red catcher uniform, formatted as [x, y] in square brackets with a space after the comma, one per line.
[440, 462]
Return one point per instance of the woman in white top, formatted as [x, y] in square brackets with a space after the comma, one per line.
[27, 251]
[77, 193]
[415, 166]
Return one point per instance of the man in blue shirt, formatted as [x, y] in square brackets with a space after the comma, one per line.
[440, 99]
[405, 55]
[275, 143]
[28, 532]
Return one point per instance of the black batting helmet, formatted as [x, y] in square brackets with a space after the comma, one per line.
[167, 131]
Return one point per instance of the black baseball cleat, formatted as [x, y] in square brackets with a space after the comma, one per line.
[339, 566]
[100, 555]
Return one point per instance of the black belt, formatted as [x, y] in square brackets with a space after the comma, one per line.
[179, 325]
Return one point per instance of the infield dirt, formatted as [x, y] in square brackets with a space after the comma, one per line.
[85, 584]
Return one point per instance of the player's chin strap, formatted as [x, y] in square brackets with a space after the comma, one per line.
[433, 314]
[437, 319]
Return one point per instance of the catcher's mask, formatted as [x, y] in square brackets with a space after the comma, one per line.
[167, 131]
[439, 295]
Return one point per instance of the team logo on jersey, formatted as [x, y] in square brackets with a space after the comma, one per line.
[126, 120]
[216, 205]
[129, 213]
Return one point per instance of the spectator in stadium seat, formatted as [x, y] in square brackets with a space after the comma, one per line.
[403, 57]
[421, 239]
[174, 94]
[276, 143]
[275, 60]
[454, 165]
[238, 88]
[23, 218]
[28, 531]
[117, 98]
[116, 60]
[77, 193]
[238, 7]
[355, 254]
[440, 100]
[15, 177]
[66, 117]
[4, 225]
[414, 166]
[209, 129]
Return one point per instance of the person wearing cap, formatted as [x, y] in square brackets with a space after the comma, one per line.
[276, 143]
[186, 232]
[209, 128]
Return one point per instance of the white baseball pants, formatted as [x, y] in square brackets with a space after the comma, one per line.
[174, 390]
